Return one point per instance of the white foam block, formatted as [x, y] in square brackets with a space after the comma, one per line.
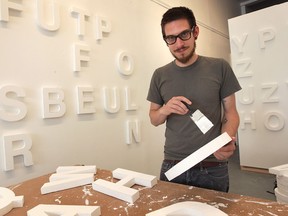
[81, 179]
[76, 169]
[8, 200]
[198, 156]
[279, 170]
[280, 197]
[139, 178]
[188, 208]
[63, 176]
[44, 210]
[116, 190]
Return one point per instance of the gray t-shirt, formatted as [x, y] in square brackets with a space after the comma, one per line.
[206, 82]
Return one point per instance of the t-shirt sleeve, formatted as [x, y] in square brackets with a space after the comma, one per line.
[154, 94]
[230, 84]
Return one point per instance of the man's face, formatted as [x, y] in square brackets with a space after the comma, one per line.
[182, 50]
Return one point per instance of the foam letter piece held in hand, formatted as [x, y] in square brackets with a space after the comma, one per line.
[198, 156]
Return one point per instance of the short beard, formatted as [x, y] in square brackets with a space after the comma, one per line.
[184, 60]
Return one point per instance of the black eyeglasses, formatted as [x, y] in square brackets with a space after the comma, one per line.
[184, 35]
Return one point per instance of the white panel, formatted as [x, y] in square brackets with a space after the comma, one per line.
[258, 43]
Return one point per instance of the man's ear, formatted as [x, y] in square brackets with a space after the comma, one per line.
[196, 32]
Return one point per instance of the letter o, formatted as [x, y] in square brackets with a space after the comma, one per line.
[125, 63]
[274, 121]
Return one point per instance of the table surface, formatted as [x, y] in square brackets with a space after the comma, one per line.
[161, 195]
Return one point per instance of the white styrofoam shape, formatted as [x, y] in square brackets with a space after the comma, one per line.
[188, 208]
[280, 197]
[4, 9]
[116, 190]
[8, 200]
[279, 170]
[16, 110]
[121, 189]
[139, 178]
[69, 177]
[53, 102]
[133, 130]
[67, 210]
[42, 21]
[76, 169]
[10, 150]
[79, 180]
[198, 156]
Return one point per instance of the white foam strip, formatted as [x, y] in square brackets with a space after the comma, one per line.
[198, 156]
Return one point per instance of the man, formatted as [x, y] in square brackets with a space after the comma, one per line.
[205, 83]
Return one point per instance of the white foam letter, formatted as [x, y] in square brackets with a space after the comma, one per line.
[81, 15]
[53, 105]
[16, 109]
[125, 63]
[5, 5]
[133, 128]
[102, 26]
[55, 17]
[265, 35]
[248, 119]
[78, 51]
[111, 100]
[16, 145]
[85, 100]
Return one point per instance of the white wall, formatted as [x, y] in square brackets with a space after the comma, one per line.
[33, 58]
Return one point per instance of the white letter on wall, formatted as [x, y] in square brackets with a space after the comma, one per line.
[53, 105]
[5, 5]
[271, 89]
[111, 100]
[274, 121]
[129, 105]
[16, 109]
[125, 63]
[265, 35]
[55, 17]
[246, 96]
[16, 145]
[81, 15]
[248, 119]
[102, 26]
[133, 128]
[239, 43]
[78, 51]
[85, 100]
[242, 68]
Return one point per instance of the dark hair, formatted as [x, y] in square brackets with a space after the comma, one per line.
[177, 13]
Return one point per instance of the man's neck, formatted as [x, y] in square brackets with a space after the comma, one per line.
[192, 60]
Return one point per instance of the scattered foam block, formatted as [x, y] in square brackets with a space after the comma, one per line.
[279, 170]
[76, 169]
[121, 189]
[198, 156]
[67, 182]
[282, 184]
[44, 210]
[188, 208]
[69, 177]
[280, 197]
[8, 200]
[139, 178]
[116, 190]
[281, 191]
